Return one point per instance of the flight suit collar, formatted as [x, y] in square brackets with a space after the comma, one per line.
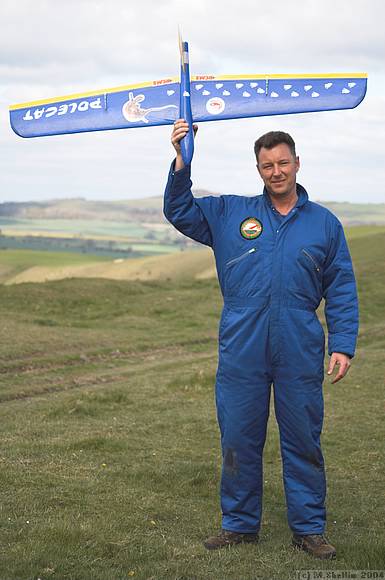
[301, 192]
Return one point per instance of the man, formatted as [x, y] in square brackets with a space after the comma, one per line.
[277, 255]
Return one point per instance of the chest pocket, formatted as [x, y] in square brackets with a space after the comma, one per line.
[307, 275]
[243, 273]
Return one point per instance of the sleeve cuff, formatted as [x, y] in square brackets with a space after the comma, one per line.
[183, 173]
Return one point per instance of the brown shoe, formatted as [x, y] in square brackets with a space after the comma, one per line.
[316, 545]
[227, 538]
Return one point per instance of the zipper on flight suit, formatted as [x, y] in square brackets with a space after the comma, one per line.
[234, 260]
[318, 269]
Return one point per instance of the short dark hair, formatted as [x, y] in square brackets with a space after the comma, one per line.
[272, 139]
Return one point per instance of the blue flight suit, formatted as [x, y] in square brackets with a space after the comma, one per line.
[272, 282]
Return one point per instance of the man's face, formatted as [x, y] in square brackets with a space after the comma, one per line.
[278, 168]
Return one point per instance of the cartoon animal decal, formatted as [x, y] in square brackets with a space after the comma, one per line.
[133, 112]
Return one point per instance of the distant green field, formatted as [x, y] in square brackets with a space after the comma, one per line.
[104, 238]
[87, 228]
[353, 232]
[150, 249]
[110, 451]
[356, 213]
[28, 258]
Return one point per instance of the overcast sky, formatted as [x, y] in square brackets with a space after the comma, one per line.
[50, 48]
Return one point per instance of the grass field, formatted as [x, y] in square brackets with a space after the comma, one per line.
[110, 455]
[12, 262]
[85, 227]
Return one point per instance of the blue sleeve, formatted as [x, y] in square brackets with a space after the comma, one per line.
[340, 293]
[199, 219]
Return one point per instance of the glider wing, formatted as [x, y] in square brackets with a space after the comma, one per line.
[204, 98]
[212, 98]
[143, 105]
[227, 97]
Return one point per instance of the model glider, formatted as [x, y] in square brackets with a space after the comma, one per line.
[196, 99]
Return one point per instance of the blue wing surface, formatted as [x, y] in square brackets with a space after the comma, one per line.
[212, 98]
[144, 105]
[224, 98]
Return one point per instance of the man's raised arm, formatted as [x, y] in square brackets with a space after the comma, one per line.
[199, 219]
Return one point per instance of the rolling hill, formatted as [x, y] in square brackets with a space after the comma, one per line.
[198, 264]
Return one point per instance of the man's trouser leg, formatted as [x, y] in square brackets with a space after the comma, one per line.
[242, 397]
[298, 402]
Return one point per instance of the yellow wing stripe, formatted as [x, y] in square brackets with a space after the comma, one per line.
[171, 80]
[95, 93]
[290, 76]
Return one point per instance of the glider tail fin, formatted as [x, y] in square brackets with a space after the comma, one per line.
[180, 39]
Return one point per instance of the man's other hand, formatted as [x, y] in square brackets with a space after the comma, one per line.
[342, 362]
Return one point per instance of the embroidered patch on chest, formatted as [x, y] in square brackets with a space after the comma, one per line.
[251, 228]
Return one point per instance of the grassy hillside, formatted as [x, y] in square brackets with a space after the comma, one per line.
[193, 263]
[13, 262]
[110, 454]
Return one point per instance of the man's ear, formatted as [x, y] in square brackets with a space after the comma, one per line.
[297, 163]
